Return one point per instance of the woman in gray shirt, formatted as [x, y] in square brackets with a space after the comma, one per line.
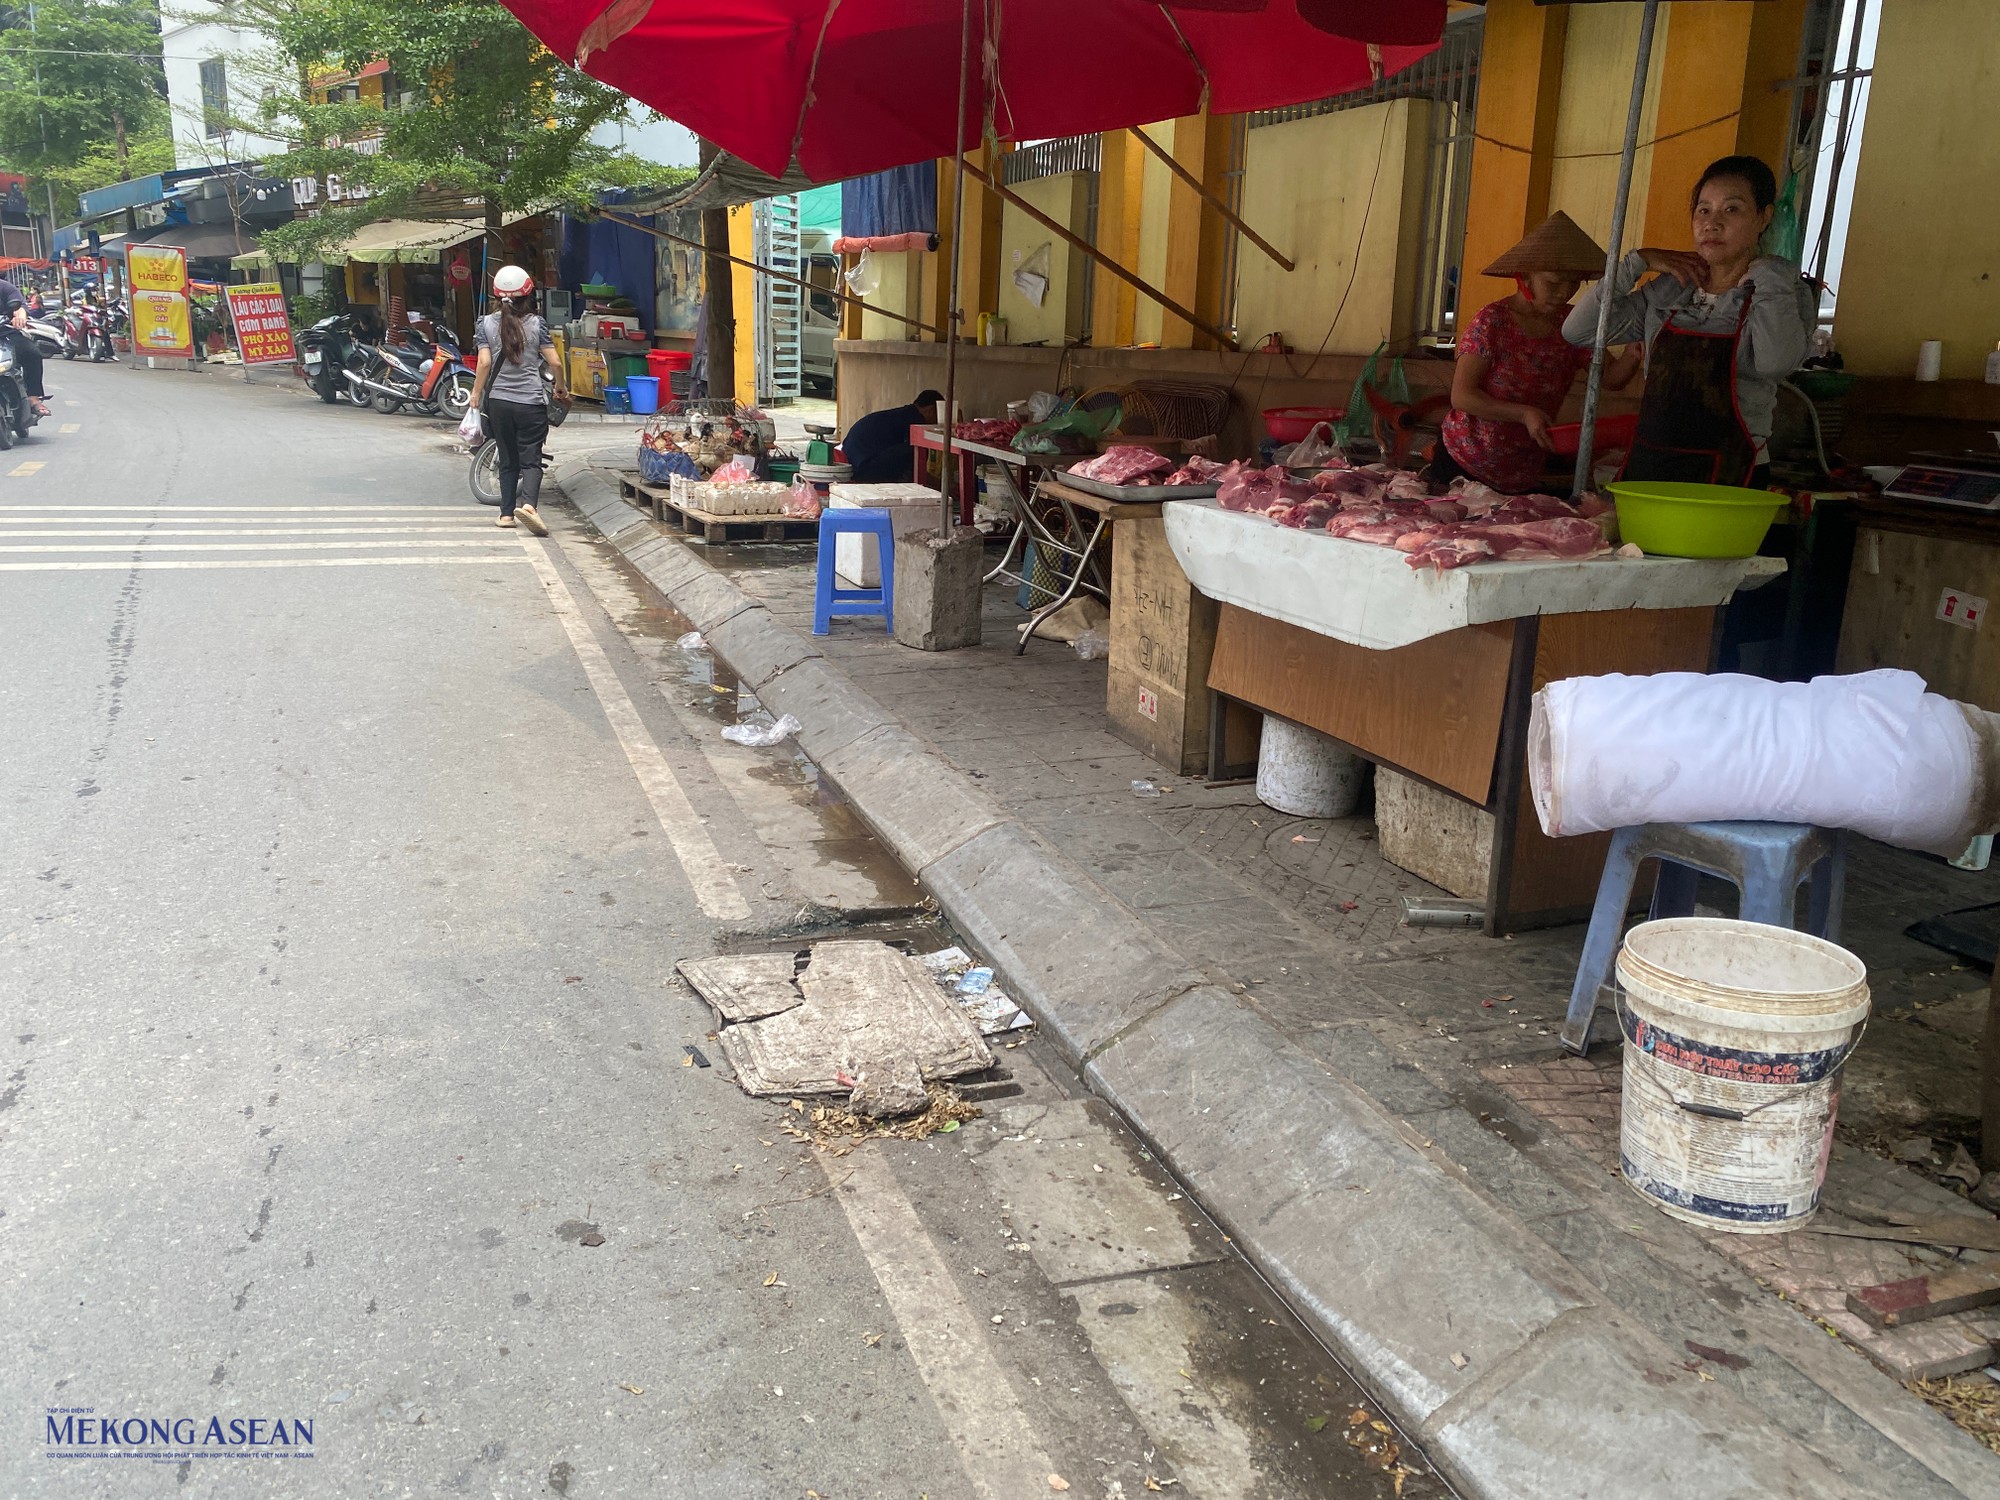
[514, 344]
[1721, 327]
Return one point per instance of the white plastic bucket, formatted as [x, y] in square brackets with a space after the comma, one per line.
[1302, 772]
[1735, 1034]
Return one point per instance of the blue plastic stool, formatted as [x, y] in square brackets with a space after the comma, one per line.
[1765, 861]
[830, 600]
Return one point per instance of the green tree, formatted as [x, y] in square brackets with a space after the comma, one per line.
[495, 118]
[100, 166]
[86, 74]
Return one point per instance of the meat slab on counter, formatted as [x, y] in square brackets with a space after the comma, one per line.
[1125, 464]
[1470, 523]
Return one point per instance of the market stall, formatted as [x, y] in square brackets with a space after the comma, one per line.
[1426, 671]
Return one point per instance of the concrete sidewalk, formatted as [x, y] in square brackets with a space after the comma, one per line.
[1540, 1333]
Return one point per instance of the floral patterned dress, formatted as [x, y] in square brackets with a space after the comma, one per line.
[1534, 371]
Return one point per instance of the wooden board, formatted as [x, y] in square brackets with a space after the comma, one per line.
[1891, 1304]
[1162, 640]
[1555, 880]
[1432, 708]
[1117, 510]
[1891, 620]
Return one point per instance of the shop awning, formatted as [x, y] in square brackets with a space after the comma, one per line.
[726, 182]
[201, 241]
[399, 241]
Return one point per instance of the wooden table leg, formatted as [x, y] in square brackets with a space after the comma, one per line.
[1989, 1088]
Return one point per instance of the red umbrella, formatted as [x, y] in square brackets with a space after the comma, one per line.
[853, 86]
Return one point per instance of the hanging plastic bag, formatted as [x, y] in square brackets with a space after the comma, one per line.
[864, 277]
[470, 427]
[1032, 272]
[1359, 422]
[1786, 236]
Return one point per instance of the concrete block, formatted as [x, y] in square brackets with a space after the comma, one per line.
[825, 700]
[1406, 1268]
[1597, 1408]
[757, 648]
[667, 566]
[938, 580]
[914, 801]
[1083, 964]
[1433, 835]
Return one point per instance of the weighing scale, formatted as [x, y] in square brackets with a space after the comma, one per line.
[1966, 481]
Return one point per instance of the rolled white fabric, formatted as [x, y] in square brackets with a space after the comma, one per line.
[1873, 752]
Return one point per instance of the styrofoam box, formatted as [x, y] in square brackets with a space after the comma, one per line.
[911, 507]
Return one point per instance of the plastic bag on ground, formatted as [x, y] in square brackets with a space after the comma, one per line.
[802, 502]
[471, 426]
[739, 470]
[692, 641]
[762, 736]
[1092, 645]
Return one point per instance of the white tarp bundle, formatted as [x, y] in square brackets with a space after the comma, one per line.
[1873, 752]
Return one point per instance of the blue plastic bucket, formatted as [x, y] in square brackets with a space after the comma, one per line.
[645, 393]
[618, 400]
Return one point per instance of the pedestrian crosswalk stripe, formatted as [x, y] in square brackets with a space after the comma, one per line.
[139, 547]
[126, 564]
[22, 471]
[69, 427]
[150, 533]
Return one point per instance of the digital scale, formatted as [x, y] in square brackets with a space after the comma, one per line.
[1967, 481]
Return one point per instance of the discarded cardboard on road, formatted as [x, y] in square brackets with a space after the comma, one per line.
[856, 1018]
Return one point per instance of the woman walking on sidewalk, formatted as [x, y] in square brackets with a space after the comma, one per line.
[514, 344]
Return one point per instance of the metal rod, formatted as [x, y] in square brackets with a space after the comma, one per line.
[1097, 255]
[1211, 200]
[681, 239]
[1840, 140]
[947, 474]
[1587, 433]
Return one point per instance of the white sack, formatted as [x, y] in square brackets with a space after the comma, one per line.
[1873, 752]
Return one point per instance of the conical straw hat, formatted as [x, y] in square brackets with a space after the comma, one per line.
[1555, 244]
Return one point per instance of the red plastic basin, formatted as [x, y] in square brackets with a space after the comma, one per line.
[1290, 424]
[660, 363]
[1612, 432]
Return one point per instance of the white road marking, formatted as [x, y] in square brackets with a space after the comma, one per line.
[148, 535]
[247, 562]
[255, 546]
[714, 887]
[22, 471]
[69, 427]
[997, 1446]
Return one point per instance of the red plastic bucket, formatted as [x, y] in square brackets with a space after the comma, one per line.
[1290, 424]
[661, 363]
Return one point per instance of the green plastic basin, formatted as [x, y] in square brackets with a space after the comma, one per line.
[1694, 520]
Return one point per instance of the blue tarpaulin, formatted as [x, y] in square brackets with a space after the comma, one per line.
[599, 250]
[902, 200]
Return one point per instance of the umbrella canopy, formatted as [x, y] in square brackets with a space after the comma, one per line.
[853, 86]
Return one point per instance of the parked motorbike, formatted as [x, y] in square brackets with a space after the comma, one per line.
[327, 353]
[48, 336]
[17, 412]
[85, 331]
[394, 376]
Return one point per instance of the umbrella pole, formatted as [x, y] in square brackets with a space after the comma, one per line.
[1588, 431]
[946, 479]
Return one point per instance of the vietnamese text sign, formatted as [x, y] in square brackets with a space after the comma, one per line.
[160, 322]
[263, 331]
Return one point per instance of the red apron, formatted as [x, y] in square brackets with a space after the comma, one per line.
[1690, 429]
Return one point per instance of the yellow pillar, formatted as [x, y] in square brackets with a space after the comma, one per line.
[1120, 194]
[743, 286]
[1197, 236]
[1520, 91]
[979, 263]
[1720, 63]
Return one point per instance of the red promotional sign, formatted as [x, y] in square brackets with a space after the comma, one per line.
[263, 331]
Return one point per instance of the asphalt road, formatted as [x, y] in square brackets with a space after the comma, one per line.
[350, 844]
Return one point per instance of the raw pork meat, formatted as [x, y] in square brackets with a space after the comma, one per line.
[1240, 487]
[1447, 511]
[1405, 485]
[1360, 485]
[1477, 498]
[1560, 537]
[1530, 508]
[1195, 470]
[1125, 463]
[1443, 551]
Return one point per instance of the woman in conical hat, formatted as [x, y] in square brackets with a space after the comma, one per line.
[1515, 368]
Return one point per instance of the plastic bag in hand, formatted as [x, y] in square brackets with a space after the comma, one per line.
[470, 428]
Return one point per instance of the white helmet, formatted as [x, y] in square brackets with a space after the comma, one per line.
[512, 281]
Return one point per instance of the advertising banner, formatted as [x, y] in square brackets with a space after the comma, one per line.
[263, 331]
[160, 321]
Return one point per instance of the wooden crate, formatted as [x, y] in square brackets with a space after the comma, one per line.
[1162, 637]
[1895, 594]
[700, 525]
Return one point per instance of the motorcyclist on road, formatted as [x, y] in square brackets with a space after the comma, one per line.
[14, 310]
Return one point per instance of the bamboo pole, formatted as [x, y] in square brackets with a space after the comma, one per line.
[1097, 255]
[681, 239]
[1174, 166]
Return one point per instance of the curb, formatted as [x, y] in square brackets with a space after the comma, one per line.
[1519, 1378]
